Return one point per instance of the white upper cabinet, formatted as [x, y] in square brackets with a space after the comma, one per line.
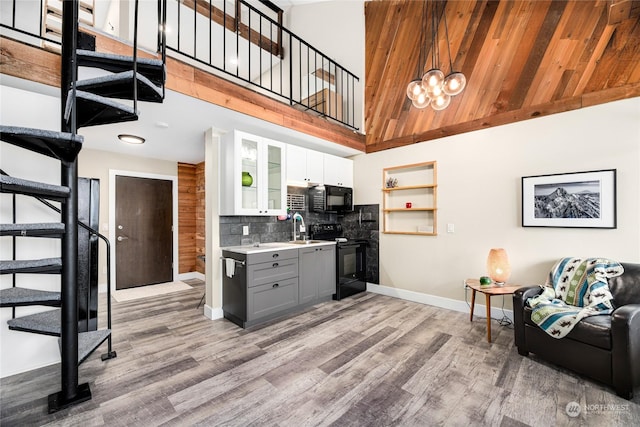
[252, 175]
[304, 166]
[338, 171]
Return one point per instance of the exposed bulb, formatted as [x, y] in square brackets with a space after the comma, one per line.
[441, 102]
[454, 83]
[432, 78]
[421, 101]
[434, 91]
[414, 89]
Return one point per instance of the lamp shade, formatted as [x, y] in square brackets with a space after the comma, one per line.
[498, 267]
[414, 88]
[421, 101]
[454, 83]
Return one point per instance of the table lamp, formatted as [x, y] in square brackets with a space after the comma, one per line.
[498, 267]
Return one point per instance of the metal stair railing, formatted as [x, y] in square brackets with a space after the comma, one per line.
[110, 352]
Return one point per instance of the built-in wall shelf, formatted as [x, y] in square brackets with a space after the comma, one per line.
[409, 203]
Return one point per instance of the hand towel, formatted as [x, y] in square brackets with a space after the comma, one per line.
[230, 266]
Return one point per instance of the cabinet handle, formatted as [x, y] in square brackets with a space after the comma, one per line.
[275, 255]
[275, 264]
[275, 285]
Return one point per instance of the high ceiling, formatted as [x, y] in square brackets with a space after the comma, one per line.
[522, 59]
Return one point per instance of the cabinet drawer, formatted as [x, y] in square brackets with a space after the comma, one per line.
[271, 298]
[272, 271]
[272, 256]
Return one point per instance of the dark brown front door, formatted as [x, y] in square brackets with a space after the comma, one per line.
[144, 239]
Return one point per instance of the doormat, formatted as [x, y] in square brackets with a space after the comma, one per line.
[149, 291]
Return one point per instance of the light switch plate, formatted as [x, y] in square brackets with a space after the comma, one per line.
[451, 228]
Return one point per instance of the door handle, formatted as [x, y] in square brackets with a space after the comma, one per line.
[121, 238]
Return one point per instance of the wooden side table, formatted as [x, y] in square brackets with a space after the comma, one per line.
[488, 291]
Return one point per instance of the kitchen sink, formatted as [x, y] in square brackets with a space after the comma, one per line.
[305, 242]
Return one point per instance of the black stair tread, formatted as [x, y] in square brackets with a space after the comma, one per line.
[94, 110]
[153, 69]
[89, 341]
[120, 86]
[33, 229]
[45, 265]
[45, 323]
[20, 297]
[11, 184]
[60, 145]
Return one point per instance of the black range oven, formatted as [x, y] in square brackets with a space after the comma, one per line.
[351, 259]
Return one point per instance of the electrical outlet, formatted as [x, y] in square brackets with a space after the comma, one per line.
[245, 230]
[303, 229]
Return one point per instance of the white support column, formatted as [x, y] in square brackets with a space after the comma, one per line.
[213, 304]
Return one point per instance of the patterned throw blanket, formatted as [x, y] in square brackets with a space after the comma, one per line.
[575, 289]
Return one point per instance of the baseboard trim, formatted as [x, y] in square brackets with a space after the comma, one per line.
[437, 301]
[191, 275]
[213, 313]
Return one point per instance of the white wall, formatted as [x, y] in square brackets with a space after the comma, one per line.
[337, 29]
[479, 186]
[20, 351]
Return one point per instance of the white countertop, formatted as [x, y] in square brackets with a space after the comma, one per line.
[275, 246]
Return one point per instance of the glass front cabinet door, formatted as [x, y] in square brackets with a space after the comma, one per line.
[252, 175]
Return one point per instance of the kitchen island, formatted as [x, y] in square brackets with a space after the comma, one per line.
[269, 280]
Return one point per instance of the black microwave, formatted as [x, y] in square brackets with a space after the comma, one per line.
[330, 198]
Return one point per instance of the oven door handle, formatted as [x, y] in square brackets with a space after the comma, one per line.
[352, 245]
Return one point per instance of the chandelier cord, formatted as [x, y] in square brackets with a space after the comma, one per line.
[446, 32]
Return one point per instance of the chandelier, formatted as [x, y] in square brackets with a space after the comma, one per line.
[433, 88]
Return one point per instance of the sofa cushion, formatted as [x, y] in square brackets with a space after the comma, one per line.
[626, 288]
[593, 330]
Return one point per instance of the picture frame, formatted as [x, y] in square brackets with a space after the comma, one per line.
[570, 200]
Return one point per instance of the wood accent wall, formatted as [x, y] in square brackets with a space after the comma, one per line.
[191, 217]
[522, 59]
[200, 217]
[187, 208]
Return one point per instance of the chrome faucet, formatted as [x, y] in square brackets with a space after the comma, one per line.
[297, 216]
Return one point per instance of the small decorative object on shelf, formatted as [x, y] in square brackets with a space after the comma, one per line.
[407, 205]
[247, 179]
[392, 182]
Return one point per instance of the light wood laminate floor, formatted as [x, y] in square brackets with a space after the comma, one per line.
[369, 360]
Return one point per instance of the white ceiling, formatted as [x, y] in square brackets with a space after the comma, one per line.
[174, 130]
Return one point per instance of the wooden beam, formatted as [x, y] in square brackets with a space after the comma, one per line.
[29, 62]
[227, 21]
[619, 10]
[559, 106]
[35, 64]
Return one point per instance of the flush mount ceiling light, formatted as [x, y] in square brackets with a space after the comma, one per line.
[131, 139]
[434, 88]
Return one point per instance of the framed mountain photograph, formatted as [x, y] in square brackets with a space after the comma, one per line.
[576, 199]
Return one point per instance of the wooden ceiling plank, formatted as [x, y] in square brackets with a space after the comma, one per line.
[530, 23]
[501, 71]
[542, 40]
[603, 40]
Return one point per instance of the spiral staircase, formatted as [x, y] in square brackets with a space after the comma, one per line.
[84, 103]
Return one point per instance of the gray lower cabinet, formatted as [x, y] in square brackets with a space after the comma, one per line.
[269, 284]
[269, 299]
[316, 273]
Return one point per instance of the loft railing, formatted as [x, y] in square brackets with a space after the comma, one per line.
[242, 43]
[231, 39]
